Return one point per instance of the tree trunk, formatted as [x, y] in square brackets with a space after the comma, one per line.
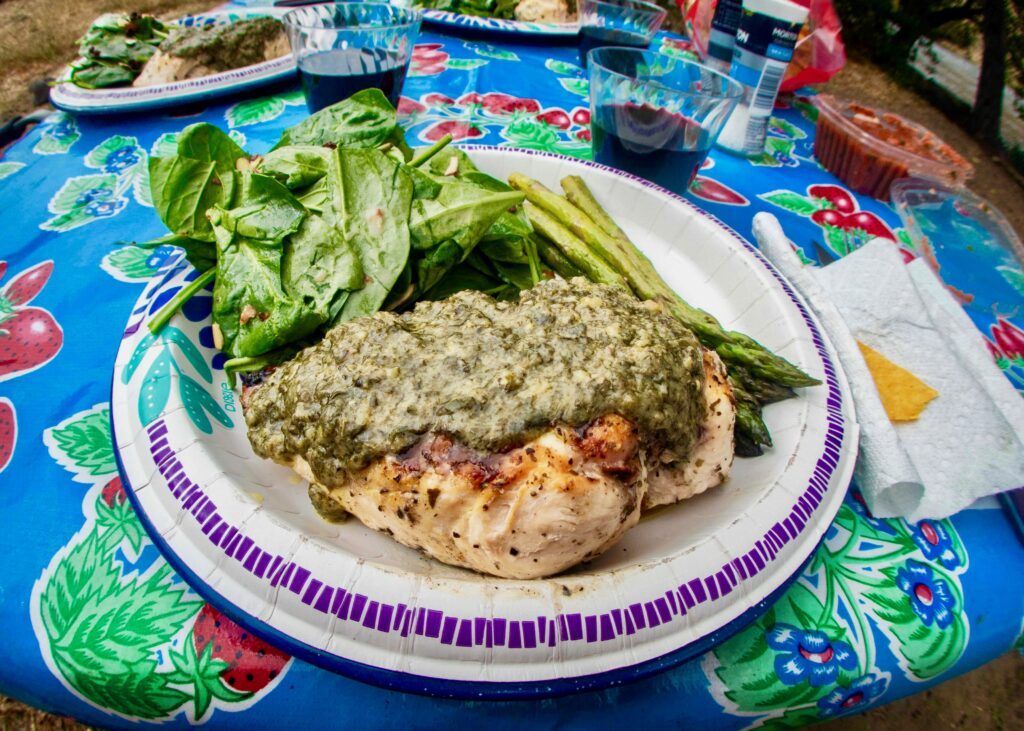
[988, 102]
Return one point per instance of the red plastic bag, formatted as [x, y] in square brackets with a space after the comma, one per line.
[819, 54]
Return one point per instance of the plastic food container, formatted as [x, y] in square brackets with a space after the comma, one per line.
[868, 148]
[961, 228]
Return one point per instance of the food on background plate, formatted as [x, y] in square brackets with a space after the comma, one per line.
[904, 396]
[202, 50]
[420, 340]
[536, 11]
[868, 149]
[132, 49]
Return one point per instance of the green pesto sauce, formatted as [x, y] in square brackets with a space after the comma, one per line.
[490, 374]
[223, 46]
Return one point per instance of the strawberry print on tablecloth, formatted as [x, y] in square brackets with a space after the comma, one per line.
[114, 623]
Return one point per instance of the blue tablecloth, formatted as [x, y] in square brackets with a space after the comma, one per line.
[92, 627]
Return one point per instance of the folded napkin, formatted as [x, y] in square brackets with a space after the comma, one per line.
[969, 441]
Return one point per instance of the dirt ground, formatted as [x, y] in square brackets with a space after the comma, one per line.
[39, 38]
[990, 698]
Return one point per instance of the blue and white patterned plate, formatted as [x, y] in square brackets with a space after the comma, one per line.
[73, 98]
[243, 533]
[500, 26]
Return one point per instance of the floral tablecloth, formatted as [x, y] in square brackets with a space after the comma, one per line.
[97, 626]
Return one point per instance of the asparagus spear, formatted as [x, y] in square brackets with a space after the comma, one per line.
[638, 271]
[762, 391]
[555, 259]
[621, 255]
[580, 196]
[575, 250]
[751, 434]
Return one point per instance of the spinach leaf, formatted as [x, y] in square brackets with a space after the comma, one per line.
[265, 210]
[365, 119]
[460, 211]
[320, 267]
[507, 238]
[436, 262]
[518, 275]
[461, 278]
[200, 176]
[316, 197]
[423, 185]
[115, 48]
[182, 190]
[297, 166]
[481, 263]
[205, 142]
[439, 163]
[250, 306]
[101, 76]
[371, 195]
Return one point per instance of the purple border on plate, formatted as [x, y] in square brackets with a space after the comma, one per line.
[351, 606]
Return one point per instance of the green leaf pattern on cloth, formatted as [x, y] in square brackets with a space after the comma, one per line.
[59, 132]
[8, 169]
[107, 628]
[486, 50]
[87, 198]
[256, 111]
[815, 653]
[466, 64]
[580, 87]
[83, 445]
[563, 68]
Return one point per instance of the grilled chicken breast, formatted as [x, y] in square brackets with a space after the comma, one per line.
[196, 51]
[557, 494]
[669, 479]
[533, 511]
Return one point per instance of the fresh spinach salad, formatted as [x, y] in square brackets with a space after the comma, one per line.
[115, 48]
[342, 219]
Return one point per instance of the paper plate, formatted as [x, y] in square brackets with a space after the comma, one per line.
[73, 98]
[242, 532]
[500, 26]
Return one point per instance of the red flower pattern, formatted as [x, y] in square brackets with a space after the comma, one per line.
[407, 107]
[556, 118]
[458, 131]
[428, 59]
[497, 103]
[1009, 340]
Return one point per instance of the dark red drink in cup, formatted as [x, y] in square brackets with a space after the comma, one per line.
[655, 116]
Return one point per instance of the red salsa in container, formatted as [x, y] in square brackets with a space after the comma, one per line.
[868, 149]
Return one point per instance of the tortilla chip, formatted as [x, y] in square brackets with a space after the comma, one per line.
[904, 395]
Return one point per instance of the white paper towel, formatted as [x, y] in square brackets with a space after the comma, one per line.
[969, 441]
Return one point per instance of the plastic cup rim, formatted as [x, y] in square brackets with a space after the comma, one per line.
[414, 16]
[734, 90]
[633, 4]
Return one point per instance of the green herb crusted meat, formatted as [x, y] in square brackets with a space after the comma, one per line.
[566, 352]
